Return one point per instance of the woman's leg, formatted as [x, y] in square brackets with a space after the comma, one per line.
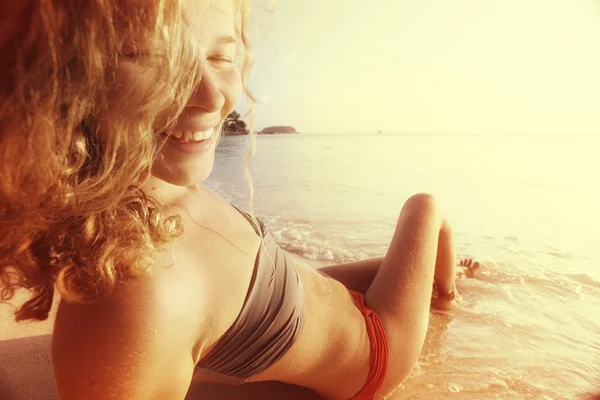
[359, 275]
[422, 247]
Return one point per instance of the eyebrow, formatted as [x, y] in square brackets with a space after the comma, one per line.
[226, 39]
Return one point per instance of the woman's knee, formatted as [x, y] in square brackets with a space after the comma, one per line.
[423, 203]
[420, 213]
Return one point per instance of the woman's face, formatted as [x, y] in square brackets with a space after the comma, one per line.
[188, 156]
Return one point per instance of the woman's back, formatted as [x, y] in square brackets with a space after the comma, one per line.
[205, 289]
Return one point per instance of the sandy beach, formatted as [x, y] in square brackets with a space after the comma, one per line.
[26, 370]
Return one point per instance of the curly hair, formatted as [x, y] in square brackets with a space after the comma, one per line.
[73, 216]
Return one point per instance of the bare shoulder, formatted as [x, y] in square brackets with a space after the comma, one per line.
[137, 344]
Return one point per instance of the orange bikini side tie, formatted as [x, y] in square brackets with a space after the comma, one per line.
[378, 364]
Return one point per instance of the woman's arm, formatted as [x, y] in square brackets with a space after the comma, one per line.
[355, 276]
[134, 345]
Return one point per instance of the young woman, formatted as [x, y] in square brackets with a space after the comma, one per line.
[110, 111]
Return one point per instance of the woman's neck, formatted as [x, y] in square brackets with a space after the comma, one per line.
[168, 193]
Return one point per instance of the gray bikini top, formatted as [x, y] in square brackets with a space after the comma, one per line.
[269, 323]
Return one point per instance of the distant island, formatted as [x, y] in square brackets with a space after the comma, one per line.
[235, 126]
[277, 129]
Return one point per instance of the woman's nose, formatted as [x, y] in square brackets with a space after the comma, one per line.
[208, 94]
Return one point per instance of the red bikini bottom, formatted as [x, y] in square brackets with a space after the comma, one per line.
[379, 350]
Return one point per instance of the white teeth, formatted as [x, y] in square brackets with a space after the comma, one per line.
[193, 136]
[207, 134]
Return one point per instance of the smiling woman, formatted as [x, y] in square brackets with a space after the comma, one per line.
[94, 82]
[110, 114]
[84, 89]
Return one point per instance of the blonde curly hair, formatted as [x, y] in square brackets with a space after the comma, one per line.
[72, 213]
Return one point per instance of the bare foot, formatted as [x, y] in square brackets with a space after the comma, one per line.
[471, 267]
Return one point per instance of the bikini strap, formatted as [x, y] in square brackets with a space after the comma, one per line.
[259, 229]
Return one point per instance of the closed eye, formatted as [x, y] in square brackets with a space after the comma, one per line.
[222, 61]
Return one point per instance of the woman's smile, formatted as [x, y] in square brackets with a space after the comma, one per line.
[192, 142]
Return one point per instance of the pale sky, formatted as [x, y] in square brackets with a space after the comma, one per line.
[430, 66]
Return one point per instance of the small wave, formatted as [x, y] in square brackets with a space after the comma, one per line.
[558, 254]
[512, 239]
[320, 253]
[499, 273]
[301, 238]
[584, 279]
